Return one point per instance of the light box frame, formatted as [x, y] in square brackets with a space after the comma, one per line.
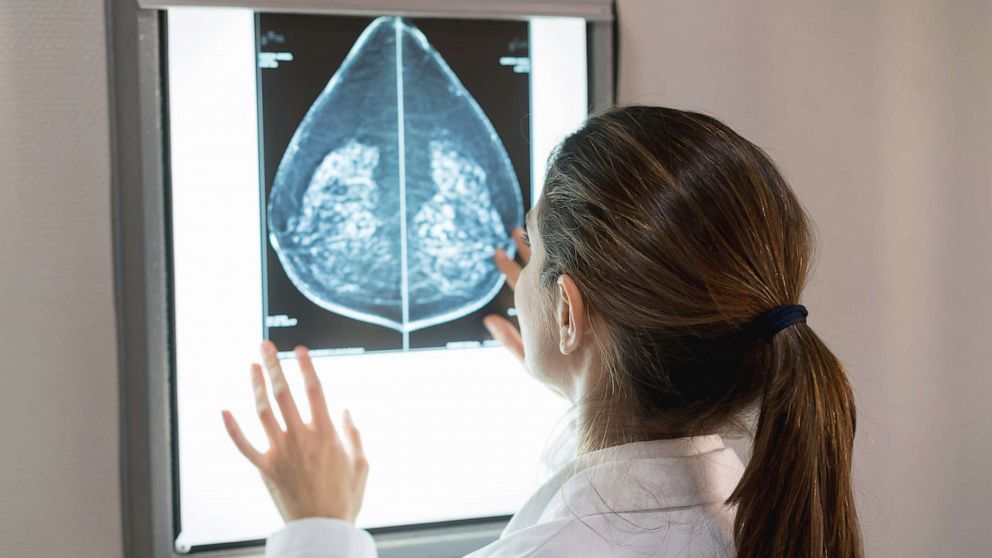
[142, 254]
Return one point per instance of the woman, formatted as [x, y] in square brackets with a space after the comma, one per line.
[662, 272]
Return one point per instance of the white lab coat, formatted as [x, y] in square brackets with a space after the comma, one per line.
[661, 498]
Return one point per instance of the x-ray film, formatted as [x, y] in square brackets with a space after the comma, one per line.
[396, 161]
[294, 217]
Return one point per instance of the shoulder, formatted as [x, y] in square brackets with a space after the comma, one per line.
[692, 532]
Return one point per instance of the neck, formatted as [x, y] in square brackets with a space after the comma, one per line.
[604, 416]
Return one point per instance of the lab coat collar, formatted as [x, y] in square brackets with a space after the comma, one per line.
[639, 476]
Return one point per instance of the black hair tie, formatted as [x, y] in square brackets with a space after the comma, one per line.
[777, 319]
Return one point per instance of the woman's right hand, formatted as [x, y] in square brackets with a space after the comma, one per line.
[502, 329]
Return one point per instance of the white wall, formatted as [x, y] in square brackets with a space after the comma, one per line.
[880, 114]
[59, 494]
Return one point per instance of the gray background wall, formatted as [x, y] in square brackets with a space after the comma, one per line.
[879, 113]
[59, 492]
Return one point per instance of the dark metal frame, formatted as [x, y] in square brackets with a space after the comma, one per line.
[143, 287]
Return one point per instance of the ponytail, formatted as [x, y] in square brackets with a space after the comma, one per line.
[681, 231]
[795, 498]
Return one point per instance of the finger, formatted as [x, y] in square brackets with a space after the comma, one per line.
[518, 236]
[320, 417]
[361, 463]
[242, 443]
[507, 267]
[506, 333]
[354, 437]
[262, 406]
[280, 389]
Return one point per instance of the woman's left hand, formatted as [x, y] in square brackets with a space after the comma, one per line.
[309, 470]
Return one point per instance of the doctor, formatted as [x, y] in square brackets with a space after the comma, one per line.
[663, 268]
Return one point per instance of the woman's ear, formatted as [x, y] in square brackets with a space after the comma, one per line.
[570, 314]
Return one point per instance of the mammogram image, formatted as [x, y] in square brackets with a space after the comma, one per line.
[395, 189]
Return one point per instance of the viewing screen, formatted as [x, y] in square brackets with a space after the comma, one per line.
[341, 182]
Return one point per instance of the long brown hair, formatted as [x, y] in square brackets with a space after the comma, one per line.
[679, 233]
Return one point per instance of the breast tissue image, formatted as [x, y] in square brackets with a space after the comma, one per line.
[395, 189]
